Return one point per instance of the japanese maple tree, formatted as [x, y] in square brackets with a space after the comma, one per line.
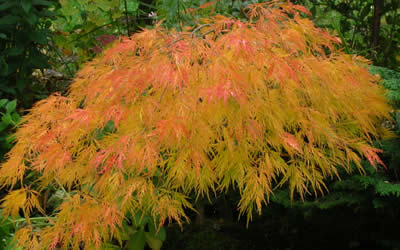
[163, 114]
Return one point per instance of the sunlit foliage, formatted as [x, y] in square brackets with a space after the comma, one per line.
[251, 105]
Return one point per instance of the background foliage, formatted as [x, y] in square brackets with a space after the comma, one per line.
[353, 21]
[24, 34]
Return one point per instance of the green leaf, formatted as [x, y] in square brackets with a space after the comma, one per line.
[137, 241]
[127, 231]
[37, 60]
[378, 203]
[26, 5]
[20, 83]
[9, 20]
[13, 66]
[139, 220]
[15, 117]
[16, 51]
[398, 117]
[104, 5]
[10, 139]
[161, 234]
[3, 67]
[32, 19]
[3, 126]
[153, 242]
[10, 107]
[109, 246]
[42, 2]
[7, 5]
[38, 37]
[385, 188]
[3, 36]
[68, 9]
[3, 102]
[131, 5]
[365, 11]
[92, 8]
[82, 2]
[7, 119]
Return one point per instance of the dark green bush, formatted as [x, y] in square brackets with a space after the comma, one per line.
[24, 36]
[9, 118]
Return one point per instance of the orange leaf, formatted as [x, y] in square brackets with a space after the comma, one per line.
[292, 141]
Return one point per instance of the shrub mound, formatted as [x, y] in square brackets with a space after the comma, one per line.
[164, 114]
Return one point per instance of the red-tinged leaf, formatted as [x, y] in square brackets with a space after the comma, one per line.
[291, 72]
[220, 92]
[114, 113]
[337, 40]
[207, 4]
[292, 141]
[270, 70]
[99, 159]
[55, 241]
[171, 127]
[81, 116]
[255, 130]
[302, 9]
[372, 156]
[189, 10]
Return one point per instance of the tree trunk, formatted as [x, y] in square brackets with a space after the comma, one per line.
[224, 209]
[376, 24]
[200, 218]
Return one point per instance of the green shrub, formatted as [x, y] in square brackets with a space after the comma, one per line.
[24, 33]
[9, 119]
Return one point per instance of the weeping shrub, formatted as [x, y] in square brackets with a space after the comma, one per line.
[253, 105]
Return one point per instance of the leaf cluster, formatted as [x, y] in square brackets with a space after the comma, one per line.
[377, 189]
[9, 119]
[391, 81]
[80, 22]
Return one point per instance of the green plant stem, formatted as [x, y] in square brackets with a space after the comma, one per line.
[147, 5]
[392, 28]
[30, 219]
[337, 28]
[93, 30]
[62, 188]
[62, 59]
[355, 28]
[179, 14]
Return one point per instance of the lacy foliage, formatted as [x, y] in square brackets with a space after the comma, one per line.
[254, 105]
